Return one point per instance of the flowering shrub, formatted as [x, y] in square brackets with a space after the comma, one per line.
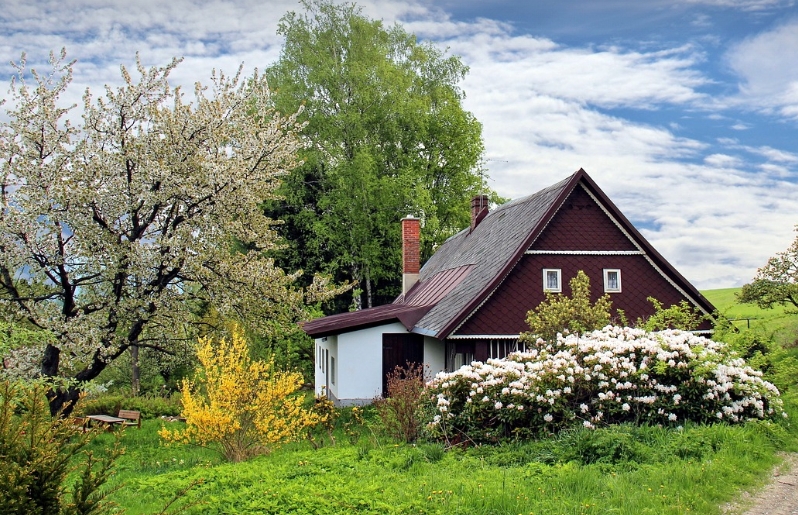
[609, 376]
[241, 406]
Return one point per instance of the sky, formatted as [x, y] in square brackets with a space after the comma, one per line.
[685, 112]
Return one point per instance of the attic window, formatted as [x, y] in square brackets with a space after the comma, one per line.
[552, 280]
[612, 280]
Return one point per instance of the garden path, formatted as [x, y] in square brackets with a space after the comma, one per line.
[778, 497]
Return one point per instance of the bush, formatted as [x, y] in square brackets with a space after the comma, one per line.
[615, 375]
[240, 406]
[575, 314]
[399, 412]
[38, 452]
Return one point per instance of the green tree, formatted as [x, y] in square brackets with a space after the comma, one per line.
[776, 283]
[576, 314]
[387, 136]
[39, 452]
[146, 209]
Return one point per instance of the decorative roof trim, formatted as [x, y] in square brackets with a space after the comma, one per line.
[648, 258]
[589, 252]
[484, 337]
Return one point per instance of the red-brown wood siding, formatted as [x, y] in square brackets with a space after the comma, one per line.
[580, 224]
[505, 312]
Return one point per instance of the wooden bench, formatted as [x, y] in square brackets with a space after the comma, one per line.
[132, 418]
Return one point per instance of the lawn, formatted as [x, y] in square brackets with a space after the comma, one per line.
[625, 470]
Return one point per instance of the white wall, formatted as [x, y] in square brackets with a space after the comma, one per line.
[358, 363]
[434, 356]
[360, 354]
[330, 344]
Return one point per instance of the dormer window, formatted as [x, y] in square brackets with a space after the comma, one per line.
[612, 280]
[552, 280]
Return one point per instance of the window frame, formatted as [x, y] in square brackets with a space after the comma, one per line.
[558, 271]
[607, 272]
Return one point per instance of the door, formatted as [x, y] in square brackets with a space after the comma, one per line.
[397, 350]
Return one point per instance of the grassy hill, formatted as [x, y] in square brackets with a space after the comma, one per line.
[783, 325]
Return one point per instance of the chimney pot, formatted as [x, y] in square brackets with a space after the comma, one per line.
[479, 208]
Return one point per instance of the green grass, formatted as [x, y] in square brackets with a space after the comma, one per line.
[773, 320]
[649, 470]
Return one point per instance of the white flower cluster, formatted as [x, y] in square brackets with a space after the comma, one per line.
[617, 374]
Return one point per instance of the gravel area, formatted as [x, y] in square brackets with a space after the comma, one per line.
[778, 497]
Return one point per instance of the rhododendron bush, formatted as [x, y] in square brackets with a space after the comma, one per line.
[612, 375]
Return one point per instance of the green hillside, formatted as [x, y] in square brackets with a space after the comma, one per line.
[775, 319]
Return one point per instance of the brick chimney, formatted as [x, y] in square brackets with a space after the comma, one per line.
[479, 208]
[411, 252]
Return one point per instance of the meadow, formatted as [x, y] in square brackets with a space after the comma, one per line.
[619, 469]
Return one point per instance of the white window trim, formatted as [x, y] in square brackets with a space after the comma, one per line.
[607, 272]
[546, 281]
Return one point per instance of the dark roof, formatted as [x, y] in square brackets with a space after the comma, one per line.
[408, 310]
[442, 299]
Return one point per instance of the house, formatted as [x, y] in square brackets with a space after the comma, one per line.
[470, 300]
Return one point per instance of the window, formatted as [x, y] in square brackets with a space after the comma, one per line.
[612, 280]
[332, 369]
[552, 280]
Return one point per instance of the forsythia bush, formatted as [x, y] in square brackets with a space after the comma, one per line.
[242, 405]
[612, 375]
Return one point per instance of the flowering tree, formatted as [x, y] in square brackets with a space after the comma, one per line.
[607, 376]
[776, 282]
[117, 232]
[242, 405]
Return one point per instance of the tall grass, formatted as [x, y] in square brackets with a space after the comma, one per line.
[623, 469]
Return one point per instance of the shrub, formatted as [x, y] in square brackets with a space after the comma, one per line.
[38, 452]
[575, 314]
[679, 316]
[399, 412]
[614, 375]
[238, 405]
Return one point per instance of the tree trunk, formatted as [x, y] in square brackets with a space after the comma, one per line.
[135, 380]
[62, 400]
[369, 300]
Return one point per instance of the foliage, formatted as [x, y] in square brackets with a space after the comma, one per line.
[327, 415]
[241, 405]
[679, 316]
[17, 344]
[39, 452]
[134, 222]
[561, 313]
[776, 283]
[400, 412]
[614, 375]
[619, 469]
[388, 136]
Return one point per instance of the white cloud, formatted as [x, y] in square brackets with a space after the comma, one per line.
[766, 65]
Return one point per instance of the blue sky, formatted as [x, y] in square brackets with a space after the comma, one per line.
[684, 111]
